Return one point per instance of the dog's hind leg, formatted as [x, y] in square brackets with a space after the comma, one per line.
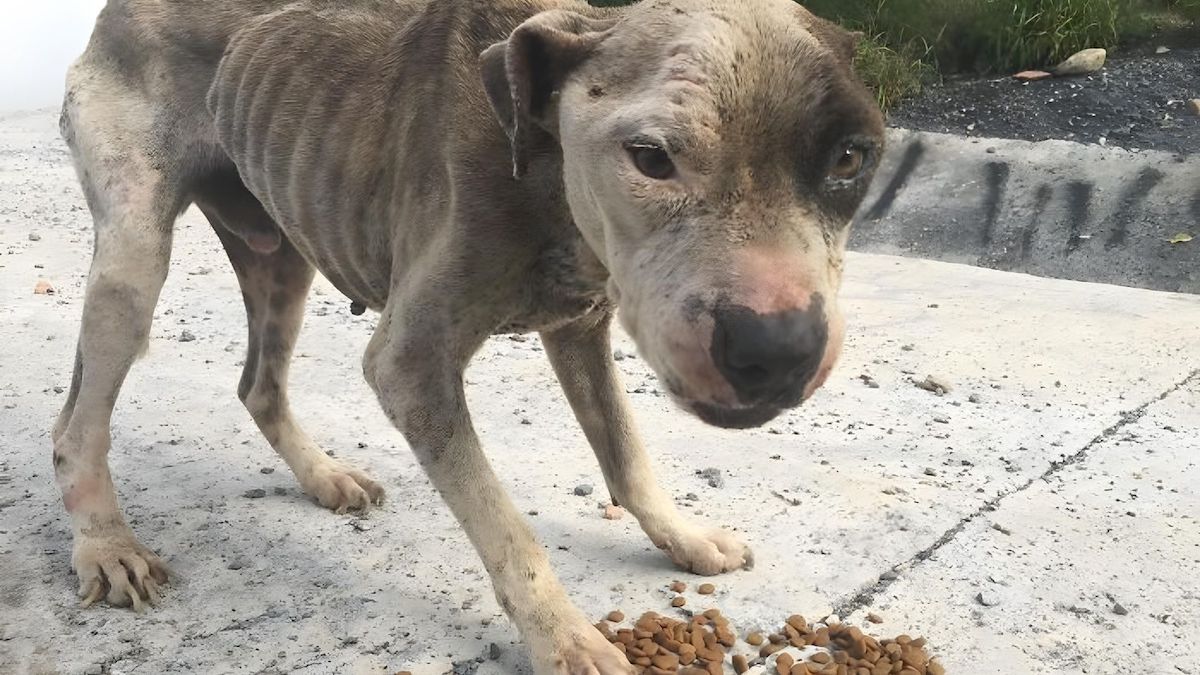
[581, 356]
[134, 199]
[275, 284]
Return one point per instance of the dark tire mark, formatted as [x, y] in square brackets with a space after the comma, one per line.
[1131, 203]
[910, 160]
[1079, 205]
[1040, 201]
[997, 183]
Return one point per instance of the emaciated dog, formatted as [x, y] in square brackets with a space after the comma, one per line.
[465, 169]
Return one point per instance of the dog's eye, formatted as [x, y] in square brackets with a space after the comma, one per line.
[652, 161]
[849, 164]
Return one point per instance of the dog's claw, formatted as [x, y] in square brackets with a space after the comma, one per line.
[118, 569]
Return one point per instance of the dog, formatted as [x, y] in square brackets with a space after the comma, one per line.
[467, 169]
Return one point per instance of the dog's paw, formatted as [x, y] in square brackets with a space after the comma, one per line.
[709, 552]
[342, 488]
[114, 566]
[581, 652]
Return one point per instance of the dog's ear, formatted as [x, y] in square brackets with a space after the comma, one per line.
[841, 42]
[522, 74]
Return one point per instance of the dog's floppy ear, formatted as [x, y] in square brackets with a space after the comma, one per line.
[843, 43]
[522, 74]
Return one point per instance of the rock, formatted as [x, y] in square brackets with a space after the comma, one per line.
[613, 512]
[1032, 75]
[713, 476]
[1082, 63]
[1162, 49]
[583, 490]
[256, 493]
[975, 398]
[869, 381]
[1119, 609]
[267, 469]
[691, 497]
[987, 598]
[1193, 106]
[935, 384]
[279, 490]
[186, 336]
[494, 651]
[34, 236]
[237, 563]
[43, 287]
[930, 471]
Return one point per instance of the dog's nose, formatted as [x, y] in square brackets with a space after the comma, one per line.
[769, 358]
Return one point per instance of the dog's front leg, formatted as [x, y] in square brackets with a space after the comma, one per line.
[423, 395]
[581, 356]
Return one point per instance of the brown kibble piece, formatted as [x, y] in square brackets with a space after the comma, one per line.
[678, 587]
[755, 639]
[769, 649]
[615, 616]
[783, 664]
[800, 669]
[706, 589]
[820, 657]
[874, 618]
[740, 663]
[715, 668]
[678, 601]
[666, 661]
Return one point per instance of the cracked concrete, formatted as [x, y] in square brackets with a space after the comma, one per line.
[858, 485]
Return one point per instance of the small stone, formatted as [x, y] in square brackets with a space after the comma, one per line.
[360, 525]
[613, 512]
[583, 490]
[256, 493]
[279, 490]
[713, 477]
[1119, 609]
[237, 563]
[1193, 106]
[495, 651]
[1032, 75]
[43, 287]
[987, 598]
[186, 336]
[691, 497]
[267, 469]
[930, 471]
[34, 236]
[975, 398]
[1082, 62]
[941, 419]
[874, 618]
[1001, 529]
[619, 355]
[890, 575]
[869, 381]
[935, 384]
[1162, 49]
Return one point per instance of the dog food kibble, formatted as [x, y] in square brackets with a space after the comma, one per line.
[678, 587]
[706, 589]
[700, 645]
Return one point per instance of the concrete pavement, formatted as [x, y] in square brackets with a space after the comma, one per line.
[1058, 477]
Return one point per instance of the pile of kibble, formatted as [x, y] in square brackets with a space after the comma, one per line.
[662, 645]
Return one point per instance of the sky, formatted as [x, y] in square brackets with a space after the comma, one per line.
[38, 41]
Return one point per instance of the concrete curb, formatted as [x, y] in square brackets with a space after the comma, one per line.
[1054, 209]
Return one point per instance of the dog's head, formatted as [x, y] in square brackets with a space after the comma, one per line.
[713, 153]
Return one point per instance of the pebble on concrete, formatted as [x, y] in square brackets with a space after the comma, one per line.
[583, 490]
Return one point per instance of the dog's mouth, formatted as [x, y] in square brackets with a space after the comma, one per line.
[733, 418]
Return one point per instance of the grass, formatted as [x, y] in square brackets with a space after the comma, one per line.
[912, 41]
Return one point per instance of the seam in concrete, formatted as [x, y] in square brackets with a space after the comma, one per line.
[867, 595]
